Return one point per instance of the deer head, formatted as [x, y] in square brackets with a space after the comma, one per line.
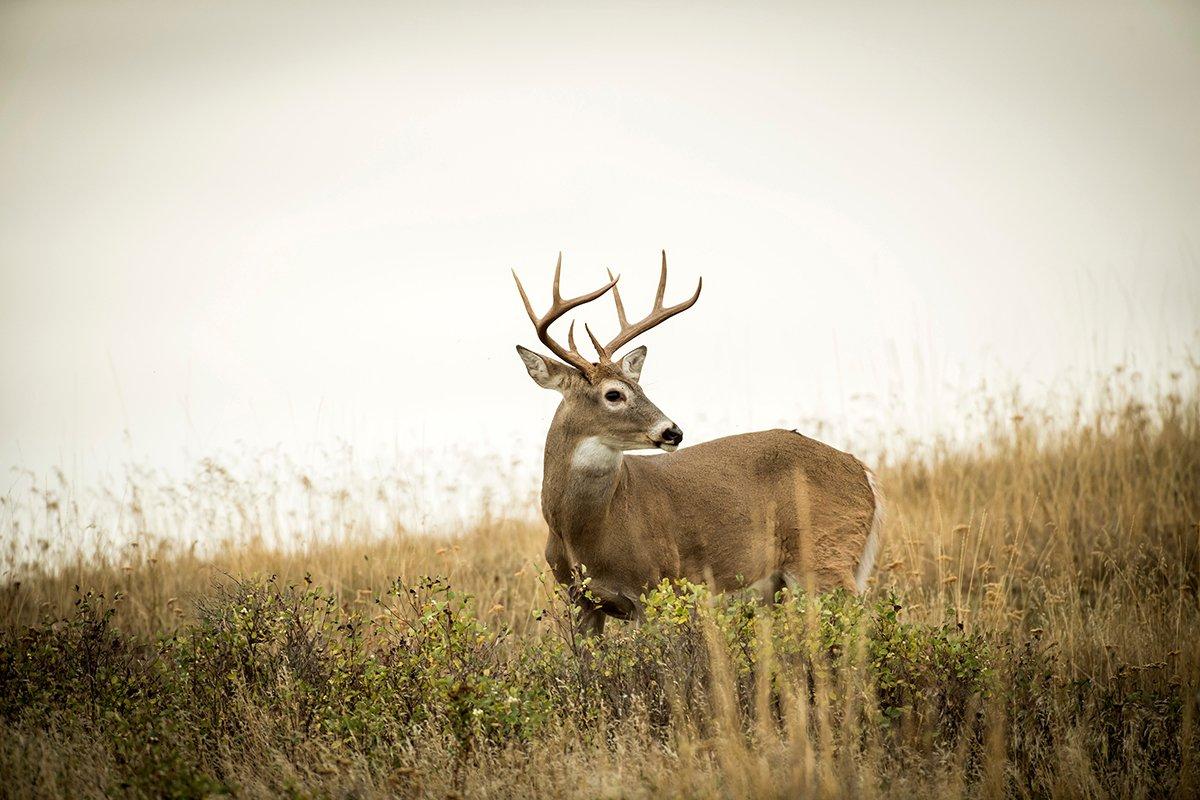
[602, 399]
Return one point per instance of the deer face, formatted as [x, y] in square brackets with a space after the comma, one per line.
[607, 406]
[602, 401]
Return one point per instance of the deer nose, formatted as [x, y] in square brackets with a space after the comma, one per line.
[672, 435]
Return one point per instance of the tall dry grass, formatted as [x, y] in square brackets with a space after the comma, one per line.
[1066, 544]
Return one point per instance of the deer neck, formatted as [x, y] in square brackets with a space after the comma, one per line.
[581, 474]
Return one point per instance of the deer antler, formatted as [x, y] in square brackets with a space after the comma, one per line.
[558, 307]
[657, 315]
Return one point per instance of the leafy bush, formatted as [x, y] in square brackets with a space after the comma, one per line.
[414, 668]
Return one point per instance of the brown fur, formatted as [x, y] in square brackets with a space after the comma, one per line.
[761, 509]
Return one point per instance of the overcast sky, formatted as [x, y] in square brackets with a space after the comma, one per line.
[247, 224]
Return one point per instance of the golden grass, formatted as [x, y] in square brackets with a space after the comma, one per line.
[1080, 534]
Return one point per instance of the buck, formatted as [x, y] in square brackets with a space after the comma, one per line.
[766, 510]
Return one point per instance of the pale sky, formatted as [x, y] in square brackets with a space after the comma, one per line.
[249, 224]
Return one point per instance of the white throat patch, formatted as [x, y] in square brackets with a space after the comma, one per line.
[593, 455]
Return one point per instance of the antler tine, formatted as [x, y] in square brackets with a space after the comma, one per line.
[571, 343]
[556, 298]
[620, 305]
[662, 282]
[600, 351]
[558, 307]
[657, 315]
[533, 317]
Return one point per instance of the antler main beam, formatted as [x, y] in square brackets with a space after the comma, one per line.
[657, 315]
[558, 307]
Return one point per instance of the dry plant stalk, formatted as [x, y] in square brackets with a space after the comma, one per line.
[1075, 552]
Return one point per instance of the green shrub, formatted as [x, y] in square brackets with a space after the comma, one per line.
[414, 668]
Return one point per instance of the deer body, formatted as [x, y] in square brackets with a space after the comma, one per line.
[763, 510]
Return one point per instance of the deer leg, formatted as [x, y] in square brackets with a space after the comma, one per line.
[591, 620]
[793, 583]
[636, 612]
[619, 604]
[767, 588]
[599, 601]
[590, 605]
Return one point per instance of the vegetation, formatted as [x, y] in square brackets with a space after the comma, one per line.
[1031, 632]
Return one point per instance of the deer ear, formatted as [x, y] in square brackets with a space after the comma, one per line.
[546, 372]
[632, 363]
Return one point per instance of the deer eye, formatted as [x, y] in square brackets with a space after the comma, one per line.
[612, 395]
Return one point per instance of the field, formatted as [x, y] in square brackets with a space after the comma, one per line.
[1031, 631]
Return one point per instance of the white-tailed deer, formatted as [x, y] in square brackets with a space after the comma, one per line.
[767, 509]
